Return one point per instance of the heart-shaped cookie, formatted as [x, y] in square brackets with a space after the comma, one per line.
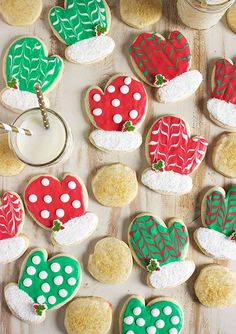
[160, 315]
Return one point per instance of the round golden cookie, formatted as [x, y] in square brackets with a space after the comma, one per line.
[231, 18]
[21, 12]
[9, 164]
[224, 155]
[115, 185]
[111, 262]
[216, 286]
[88, 315]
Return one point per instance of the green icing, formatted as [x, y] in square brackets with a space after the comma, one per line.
[162, 317]
[27, 64]
[61, 274]
[220, 212]
[149, 239]
[79, 20]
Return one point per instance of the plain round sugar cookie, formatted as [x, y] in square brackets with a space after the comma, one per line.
[216, 286]
[21, 12]
[88, 315]
[231, 18]
[111, 262]
[115, 185]
[9, 164]
[224, 155]
[140, 13]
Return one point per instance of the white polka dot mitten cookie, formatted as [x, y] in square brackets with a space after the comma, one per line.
[116, 113]
[84, 28]
[60, 206]
[161, 250]
[43, 285]
[164, 64]
[172, 155]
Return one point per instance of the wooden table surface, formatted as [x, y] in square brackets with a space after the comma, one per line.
[67, 99]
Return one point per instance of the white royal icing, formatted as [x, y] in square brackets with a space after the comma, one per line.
[12, 248]
[124, 89]
[111, 89]
[115, 103]
[180, 87]
[224, 112]
[71, 185]
[137, 96]
[76, 229]
[117, 118]
[97, 112]
[90, 50]
[171, 274]
[133, 114]
[215, 244]
[167, 181]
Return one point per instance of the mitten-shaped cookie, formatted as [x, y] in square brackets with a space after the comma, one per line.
[161, 250]
[117, 113]
[83, 26]
[164, 64]
[173, 155]
[218, 213]
[43, 285]
[60, 206]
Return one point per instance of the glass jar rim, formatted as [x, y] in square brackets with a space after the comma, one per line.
[210, 9]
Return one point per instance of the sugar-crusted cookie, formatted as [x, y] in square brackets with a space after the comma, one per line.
[165, 64]
[43, 285]
[88, 315]
[224, 155]
[218, 212]
[12, 242]
[216, 286]
[140, 13]
[172, 155]
[26, 62]
[161, 315]
[115, 185]
[116, 113]
[161, 250]
[84, 28]
[222, 104]
[111, 261]
[231, 18]
[60, 206]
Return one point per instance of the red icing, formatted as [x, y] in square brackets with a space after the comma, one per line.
[127, 103]
[11, 215]
[170, 142]
[55, 189]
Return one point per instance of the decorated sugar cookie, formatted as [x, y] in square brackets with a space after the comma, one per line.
[12, 243]
[172, 155]
[84, 28]
[43, 285]
[117, 113]
[222, 104]
[231, 18]
[161, 250]
[218, 236]
[60, 206]
[26, 62]
[165, 64]
[161, 315]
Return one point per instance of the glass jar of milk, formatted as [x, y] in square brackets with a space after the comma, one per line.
[45, 147]
[202, 14]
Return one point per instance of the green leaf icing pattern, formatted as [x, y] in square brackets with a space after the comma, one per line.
[79, 20]
[149, 239]
[162, 316]
[27, 64]
[220, 212]
[50, 282]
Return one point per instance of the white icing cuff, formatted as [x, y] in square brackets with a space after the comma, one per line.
[180, 87]
[76, 230]
[167, 182]
[215, 244]
[19, 101]
[90, 50]
[116, 140]
[21, 304]
[171, 274]
[222, 112]
[12, 248]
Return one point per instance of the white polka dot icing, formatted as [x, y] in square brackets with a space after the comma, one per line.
[58, 280]
[60, 213]
[96, 97]
[45, 214]
[47, 199]
[133, 114]
[76, 204]
[65, 198]
[155, 312]
[71, 281]
[27, 282]
[43, 274]
[127, 80]
[97, 112]
[72, 185]
[137, 311]
[129, 332]
[52, 300]
[36, 259]
[68, 269]
[55, 267]
[174, 320]
[167, 310]
[31, 270]
[137, 96]
[173, 331]
[117, 118]
[111, 89]
[45, 287]
[129, 320]
[160, 324]
[115, 103]
[45, 182]
[140, 322]
[62, 293]
[151, 330]
[124, 89]
[33, 198]
[41, 299]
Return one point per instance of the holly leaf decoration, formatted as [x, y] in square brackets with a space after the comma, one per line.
[100, 30]
[128, 126]
[39, 309]
[153, 265]
[13, 83]
[160, 80]
[233, 236]
[57, 226]
[160, 164]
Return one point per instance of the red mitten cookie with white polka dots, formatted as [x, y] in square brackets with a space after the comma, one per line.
[60, 206]
[117, 112]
